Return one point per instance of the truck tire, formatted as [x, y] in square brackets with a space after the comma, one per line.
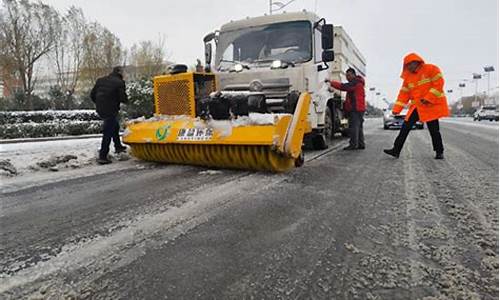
[329, 124]
[320, 140]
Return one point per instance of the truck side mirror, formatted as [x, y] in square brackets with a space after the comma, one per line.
[328, 56]
[327, 36]
[208, 49]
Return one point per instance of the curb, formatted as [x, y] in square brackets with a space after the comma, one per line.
[48, 139]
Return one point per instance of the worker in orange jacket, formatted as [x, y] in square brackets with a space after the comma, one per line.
[423, 90]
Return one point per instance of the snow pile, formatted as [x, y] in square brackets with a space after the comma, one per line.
[157, 118]
[6, 168]
[210, 172]
[257, 119]
[223, 127]
[32, 157]
[53, 161]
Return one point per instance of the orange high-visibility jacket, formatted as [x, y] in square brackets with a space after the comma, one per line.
[427, 83]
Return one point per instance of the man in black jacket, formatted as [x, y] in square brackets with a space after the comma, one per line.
[107, 94]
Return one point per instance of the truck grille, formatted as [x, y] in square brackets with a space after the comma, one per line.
[272, 88]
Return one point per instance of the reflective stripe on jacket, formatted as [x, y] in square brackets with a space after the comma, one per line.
[427, 83]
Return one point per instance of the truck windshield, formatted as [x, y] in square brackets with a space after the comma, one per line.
[290, 41]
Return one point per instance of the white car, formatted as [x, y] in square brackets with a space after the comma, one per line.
[396, 121]
[486, 113]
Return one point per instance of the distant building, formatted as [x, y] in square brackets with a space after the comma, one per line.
[9, 84]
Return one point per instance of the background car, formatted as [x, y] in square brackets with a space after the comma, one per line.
[396, 121]
[489, 112]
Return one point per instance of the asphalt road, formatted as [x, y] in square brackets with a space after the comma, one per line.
[347, 225]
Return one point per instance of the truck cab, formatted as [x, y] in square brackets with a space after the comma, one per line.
[281, 56]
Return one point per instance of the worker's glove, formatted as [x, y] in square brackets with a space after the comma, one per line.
[330, 89]
[424, 102]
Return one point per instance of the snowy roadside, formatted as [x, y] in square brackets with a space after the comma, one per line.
[28, 164]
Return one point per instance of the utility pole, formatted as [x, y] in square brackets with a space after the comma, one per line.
[488, 70]
[476, 78]
[372, 90]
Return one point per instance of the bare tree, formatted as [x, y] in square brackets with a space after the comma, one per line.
[148, 58]
[68, 50]
[101, 51]
[28, 31]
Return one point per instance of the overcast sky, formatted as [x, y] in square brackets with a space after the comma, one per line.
[460, 36]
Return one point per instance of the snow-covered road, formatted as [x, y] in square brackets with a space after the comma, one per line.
[346, 225]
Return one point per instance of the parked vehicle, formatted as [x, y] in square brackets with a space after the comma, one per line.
[396, 121]
[489, 112]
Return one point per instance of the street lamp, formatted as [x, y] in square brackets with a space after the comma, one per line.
[476, 77]
[461, 88]
[488, 69]
[372, 90]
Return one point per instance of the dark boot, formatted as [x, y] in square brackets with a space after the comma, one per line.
[350, 147]
[439, 155]
[103, 158]
[103, 161]
[392, 152]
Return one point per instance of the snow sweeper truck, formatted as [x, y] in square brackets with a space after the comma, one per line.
[262, 97]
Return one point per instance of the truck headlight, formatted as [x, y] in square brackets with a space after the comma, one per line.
[238, 67]
[277, 64]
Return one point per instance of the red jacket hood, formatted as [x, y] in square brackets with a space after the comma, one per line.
[408, 59]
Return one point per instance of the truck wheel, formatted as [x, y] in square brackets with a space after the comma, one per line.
[319, 142]
[329, 129]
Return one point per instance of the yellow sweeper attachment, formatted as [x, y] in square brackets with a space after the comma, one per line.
[195, 125]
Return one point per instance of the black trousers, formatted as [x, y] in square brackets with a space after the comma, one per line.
[110, 131]
[356, 129]
[433, 126]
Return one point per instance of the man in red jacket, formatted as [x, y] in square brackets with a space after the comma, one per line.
[354, 106]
